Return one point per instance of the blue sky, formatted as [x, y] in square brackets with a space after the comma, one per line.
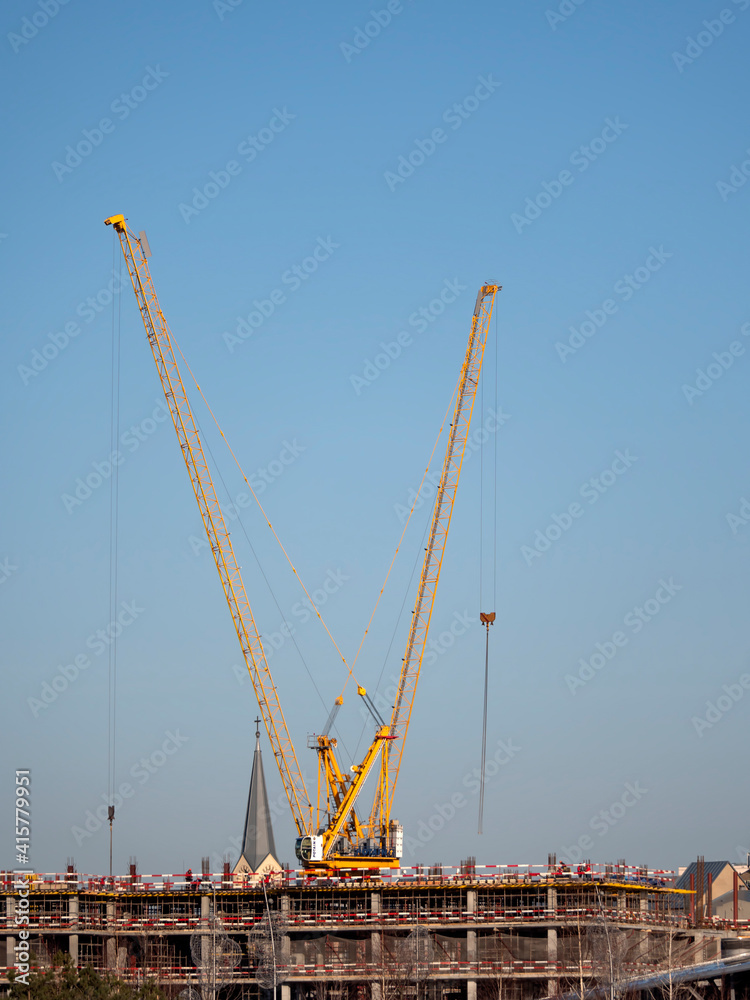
[589, 158]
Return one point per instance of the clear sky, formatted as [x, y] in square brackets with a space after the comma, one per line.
[587, 156]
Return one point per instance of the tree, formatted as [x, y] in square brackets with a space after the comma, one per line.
[64, 982]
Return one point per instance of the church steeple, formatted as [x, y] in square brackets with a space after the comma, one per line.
[257, 839]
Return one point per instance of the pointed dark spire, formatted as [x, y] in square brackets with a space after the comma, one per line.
[257, 840]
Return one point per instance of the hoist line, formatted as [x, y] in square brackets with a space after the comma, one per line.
[481, 500]
[393, 560]
[407, 591]
[398, 546]
[494, 500]
[271, 591]
[114, 523]
[260, 506]
[484, 730]
[489, 619]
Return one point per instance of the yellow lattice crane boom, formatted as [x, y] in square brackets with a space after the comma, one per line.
[433, 560]
[213, 521]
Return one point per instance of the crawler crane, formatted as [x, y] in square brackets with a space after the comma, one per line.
[330, 836]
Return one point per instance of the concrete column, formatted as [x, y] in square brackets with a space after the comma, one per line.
[552, 900]
[376, 947]
[376, 940]
[471, 958]
[10, 942]
[471, 941]
[471, 936]
[73, 921]
[111, 955]
[205, 908]
[552, 945]
[699, 949]
[286, 991]
[644, 945]
[286, 943]
[553, 983]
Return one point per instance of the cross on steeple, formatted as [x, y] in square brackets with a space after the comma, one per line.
[257, 728]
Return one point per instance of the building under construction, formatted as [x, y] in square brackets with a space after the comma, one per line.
[464, 933]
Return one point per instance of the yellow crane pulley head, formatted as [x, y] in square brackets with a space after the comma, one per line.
[118, 221]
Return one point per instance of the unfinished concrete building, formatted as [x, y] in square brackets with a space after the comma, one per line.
[467, 933]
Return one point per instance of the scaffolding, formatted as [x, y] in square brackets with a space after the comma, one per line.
[538, 931]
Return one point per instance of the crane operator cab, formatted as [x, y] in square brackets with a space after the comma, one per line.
[309, 849]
